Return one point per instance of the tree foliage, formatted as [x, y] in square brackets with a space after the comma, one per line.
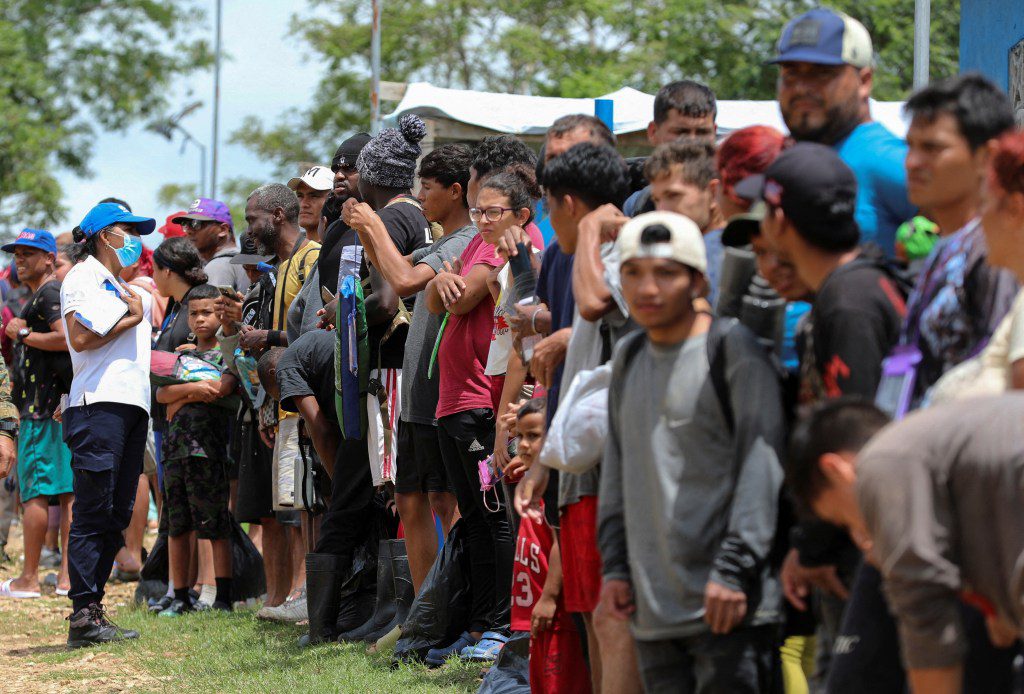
[572, 48]
[69, 67]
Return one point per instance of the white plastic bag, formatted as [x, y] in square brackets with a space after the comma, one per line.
[575, 440]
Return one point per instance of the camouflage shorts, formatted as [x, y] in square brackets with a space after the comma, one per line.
[196, 497]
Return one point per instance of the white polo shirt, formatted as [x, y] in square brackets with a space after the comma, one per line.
[119, 370]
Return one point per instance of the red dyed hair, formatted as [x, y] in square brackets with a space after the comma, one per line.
[746, 152]
[1006, 167]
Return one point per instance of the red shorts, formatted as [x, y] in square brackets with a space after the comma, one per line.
[581, 562]
[556, 660]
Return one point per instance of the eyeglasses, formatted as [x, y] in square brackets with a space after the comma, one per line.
[194, 224]
[493, 214]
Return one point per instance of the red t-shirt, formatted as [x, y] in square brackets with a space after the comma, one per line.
[462, 355]
[530, 570]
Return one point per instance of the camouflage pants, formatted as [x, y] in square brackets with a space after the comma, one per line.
[196, 497]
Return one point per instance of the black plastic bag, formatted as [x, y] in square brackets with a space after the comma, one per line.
[249, 580]
[510, 673]
[359, 591]
[441, 610]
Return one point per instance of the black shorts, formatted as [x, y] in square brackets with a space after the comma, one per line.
[420, 466]
[196, 497]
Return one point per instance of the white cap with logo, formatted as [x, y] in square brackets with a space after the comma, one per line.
[318, 178]
[663, 235]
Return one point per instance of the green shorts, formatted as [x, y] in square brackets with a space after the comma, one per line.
[44, 460]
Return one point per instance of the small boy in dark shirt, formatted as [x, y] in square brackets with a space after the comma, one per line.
[194, 452]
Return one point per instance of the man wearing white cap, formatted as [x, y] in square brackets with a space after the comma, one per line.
[312, 188]
[694, 406]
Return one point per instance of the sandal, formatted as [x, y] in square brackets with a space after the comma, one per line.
[486, 649]
[6, 591]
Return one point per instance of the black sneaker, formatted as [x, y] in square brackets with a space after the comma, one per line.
[217, 606]
[90, 626]
[161, 604]
[177, 608]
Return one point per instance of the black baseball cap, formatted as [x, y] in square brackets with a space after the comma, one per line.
[741, 227]
[816, 190]
[348, 151]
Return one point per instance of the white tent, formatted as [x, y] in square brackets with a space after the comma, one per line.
[517, 114]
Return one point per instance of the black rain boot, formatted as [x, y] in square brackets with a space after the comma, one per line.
[324, 574]
[404, 594]
[384, 609]
[358, 593]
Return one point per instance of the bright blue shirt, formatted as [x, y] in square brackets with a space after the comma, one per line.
[876, 157]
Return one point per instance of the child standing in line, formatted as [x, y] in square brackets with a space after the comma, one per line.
[195, 461]
[556, 656]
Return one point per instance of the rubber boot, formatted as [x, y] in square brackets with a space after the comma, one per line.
[384, 609]
[358, 593]
[324, 575]
[404, 594]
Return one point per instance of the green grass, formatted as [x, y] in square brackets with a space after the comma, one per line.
[233, 653]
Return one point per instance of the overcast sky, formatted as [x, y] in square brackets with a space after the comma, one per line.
[265, 76]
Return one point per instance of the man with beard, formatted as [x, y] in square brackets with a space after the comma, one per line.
[824, 92]
[208, 224]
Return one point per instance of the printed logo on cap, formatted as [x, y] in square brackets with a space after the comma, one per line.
[806, 33]
[196, 204]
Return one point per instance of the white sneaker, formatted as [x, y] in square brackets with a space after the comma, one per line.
[289, 611]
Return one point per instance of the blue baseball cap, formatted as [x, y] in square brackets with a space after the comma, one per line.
[825, 37]
[107, 213]
[33, 238]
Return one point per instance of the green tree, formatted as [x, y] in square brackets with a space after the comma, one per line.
[68, 67]
[572, 48]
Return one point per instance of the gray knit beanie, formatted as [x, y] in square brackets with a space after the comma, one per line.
[389, 159]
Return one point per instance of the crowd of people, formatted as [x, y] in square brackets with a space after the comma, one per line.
[733, 417]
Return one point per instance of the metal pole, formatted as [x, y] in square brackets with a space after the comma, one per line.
[922, 35]
[202, 167]
[375, 69]
[216, 104]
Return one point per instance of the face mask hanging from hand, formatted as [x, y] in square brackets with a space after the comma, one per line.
[129, 252]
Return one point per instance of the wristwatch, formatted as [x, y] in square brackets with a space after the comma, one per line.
[22, 334]
[9, 428]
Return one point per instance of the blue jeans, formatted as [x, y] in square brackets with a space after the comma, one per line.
[107, 442]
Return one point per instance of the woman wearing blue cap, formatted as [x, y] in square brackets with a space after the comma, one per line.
[107, 413]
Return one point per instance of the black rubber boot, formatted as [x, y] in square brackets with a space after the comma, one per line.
[384, 609]
[404, 593]
[324, 574]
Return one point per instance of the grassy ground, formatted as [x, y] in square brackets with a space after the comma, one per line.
[195, 653]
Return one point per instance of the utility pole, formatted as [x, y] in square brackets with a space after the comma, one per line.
[922, 37]
[375, 68]
[216, 102]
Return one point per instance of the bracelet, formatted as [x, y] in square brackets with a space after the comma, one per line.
[533, 321]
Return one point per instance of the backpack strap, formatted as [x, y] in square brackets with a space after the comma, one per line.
[629, 347]
[717, 334]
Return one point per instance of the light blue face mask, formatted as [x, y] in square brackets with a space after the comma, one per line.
[130, 251]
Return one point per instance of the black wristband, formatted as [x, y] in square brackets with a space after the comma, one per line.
[276, 338]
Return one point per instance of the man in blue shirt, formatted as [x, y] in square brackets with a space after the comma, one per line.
[824, 92]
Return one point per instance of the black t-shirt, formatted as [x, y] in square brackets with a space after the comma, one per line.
[409, 230]
[855, 319]
[307, 368]
[41, 377]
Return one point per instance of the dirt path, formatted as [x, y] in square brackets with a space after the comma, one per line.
[33, 657]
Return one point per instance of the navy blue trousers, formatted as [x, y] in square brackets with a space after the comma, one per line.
[107, 442]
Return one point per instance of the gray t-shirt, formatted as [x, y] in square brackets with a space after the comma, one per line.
[222, 273]
[683, 499]
[420, 394]
[941, 494]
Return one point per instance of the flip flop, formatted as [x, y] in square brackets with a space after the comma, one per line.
[7, 592]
